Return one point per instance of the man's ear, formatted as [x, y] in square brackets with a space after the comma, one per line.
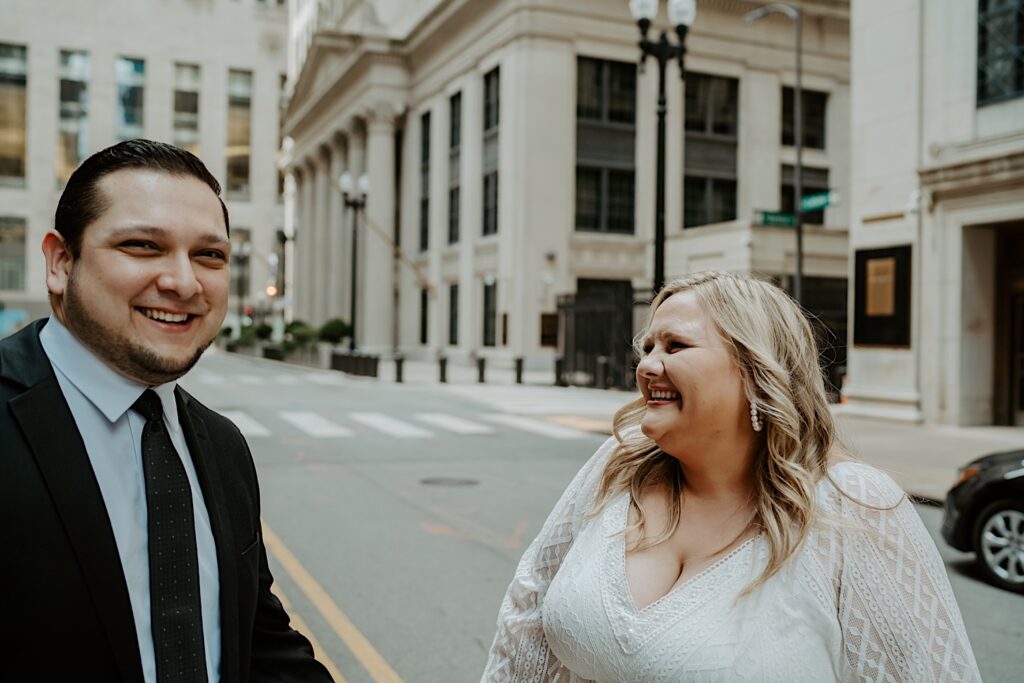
[58, 262]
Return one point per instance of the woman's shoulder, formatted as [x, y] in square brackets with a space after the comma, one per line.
[859, 482]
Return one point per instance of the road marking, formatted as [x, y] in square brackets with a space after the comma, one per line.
[531, 425]
[249, 379]
[380, 671]
[390, 425]
[324, 378]
[246, 424]
[453, 423]
[286, 379]
[300, 625]
[314, 424]
[210, 378]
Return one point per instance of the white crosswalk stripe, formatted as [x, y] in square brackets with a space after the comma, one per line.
[286, 379]
[453, 423]
[314, 425]
[245, 423]
[390, 425]
[208, 378]
[536, 426]
[250, 379]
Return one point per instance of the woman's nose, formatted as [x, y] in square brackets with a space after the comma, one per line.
[650, 365]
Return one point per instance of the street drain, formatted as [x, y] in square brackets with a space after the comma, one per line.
[448, 481]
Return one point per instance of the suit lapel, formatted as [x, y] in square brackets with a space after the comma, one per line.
[57, 446]
[210, 480]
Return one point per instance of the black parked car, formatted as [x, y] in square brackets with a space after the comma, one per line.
[984, 514]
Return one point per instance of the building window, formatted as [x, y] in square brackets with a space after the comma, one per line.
[605, 134]
[812, 106]
[1000, 50]
[425, 181]
[424, 315]
[454, 164]
[12, 253]
[712, 125]
[239, 132]
[812, 181]
[604, 200]
[712, 105]
[708, 200]
[453, 315]
[490, 312]
[131, 82]
[490, 165]
[186, 107]
[72, 141]
[13, 78]
[491, 203]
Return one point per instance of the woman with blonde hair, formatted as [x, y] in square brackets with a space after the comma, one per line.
[722, 534]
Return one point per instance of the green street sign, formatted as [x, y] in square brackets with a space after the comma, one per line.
[777, 218]
[821, 200]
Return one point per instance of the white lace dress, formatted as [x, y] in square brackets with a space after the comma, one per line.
[866, 599]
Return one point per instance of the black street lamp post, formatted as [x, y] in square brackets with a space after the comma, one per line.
[355, 202]
[681, 14]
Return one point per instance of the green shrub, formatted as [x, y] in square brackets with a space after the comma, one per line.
[227, 331]
[334, 330]
[263, 331]
[246, 338]
[299, 333]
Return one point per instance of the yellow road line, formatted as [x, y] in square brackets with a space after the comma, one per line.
[364, 652]
[300, 625]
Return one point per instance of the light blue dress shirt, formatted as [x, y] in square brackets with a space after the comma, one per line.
[100, 400]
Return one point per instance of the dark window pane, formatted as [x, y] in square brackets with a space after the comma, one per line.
[455, 120]
[814, 106]
[453, 215]
[453, 315]
[424, 303]
[1000, 64]
[425, 138]
[549, 329]
[723, 200]
[490, 313]
[621, 92]
[490, 203]
[588, 199]
[491, 99]
[695, 208]
[812, 180]
[712, 104]
[424, 223]
[620, 201]
[588, 88]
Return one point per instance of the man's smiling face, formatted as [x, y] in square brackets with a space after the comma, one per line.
[148, 291]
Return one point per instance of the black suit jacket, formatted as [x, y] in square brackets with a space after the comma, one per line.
[66, 612]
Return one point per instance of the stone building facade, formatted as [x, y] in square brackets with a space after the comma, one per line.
[510, 149]
[75, 79]
[937, 237]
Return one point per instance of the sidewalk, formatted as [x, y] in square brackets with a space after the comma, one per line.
[923, 459]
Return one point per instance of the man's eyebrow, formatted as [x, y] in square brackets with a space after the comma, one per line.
[210, 238]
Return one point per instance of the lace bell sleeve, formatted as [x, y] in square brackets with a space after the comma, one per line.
[520, 652]
[899, 619]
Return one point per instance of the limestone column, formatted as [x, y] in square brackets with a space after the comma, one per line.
[307, 235]
[318, 274]
[376, 281]
[300, 239]
[337, 248]
[471, 213]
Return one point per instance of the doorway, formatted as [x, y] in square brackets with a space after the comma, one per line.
[1010, 326]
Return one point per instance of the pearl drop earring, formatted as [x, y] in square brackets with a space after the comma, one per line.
[755, 420]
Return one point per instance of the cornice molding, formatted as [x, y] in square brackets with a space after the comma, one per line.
[955, 178]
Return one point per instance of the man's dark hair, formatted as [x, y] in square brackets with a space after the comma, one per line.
[82, 202]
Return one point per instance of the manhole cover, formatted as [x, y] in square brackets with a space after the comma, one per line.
[448, 481]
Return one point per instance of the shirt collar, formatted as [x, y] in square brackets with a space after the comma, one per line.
[112, 393]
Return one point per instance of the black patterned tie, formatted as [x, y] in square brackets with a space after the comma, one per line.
[175, 607]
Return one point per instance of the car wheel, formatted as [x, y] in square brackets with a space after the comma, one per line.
[999, 543]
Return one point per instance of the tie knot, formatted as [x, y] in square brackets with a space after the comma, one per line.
[149, 406]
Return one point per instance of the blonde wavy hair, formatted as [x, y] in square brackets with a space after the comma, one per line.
[772, 343]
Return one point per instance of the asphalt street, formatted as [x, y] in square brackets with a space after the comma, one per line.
[395, 514]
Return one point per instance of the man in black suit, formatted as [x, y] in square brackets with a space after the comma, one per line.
[130, 512]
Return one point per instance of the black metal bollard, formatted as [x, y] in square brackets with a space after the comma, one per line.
[442, 369]
[481, 368]
[601, 379]
[559, 371]
[519, 370]
[399, 363]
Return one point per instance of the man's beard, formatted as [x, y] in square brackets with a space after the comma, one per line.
[135, 361]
